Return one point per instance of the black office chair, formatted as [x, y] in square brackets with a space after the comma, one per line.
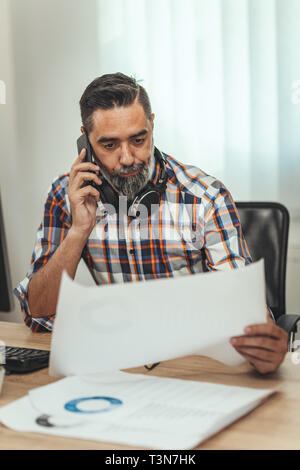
[265, 227]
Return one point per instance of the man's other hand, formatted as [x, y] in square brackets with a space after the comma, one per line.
[263, 345]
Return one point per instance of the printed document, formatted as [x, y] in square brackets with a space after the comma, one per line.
[132, 409]
[119, 326]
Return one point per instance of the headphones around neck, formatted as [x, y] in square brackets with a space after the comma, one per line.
[142, 204]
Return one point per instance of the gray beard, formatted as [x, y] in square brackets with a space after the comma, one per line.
[130, 186]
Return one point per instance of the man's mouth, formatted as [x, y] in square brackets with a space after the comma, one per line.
[131, 173]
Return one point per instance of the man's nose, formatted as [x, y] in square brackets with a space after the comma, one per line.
[126, 157]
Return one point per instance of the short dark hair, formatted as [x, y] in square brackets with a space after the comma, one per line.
[108, 91]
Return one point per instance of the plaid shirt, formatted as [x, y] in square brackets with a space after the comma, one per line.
[195, 228]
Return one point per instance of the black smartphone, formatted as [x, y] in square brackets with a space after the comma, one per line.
[83, 142]
[108, 194]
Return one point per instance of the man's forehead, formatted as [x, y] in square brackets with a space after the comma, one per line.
[112, 121]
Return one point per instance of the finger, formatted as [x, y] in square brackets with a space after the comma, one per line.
[261, 366]
[266, 329]
[262, 342]
[83, 193]
[85, 166]
[91, 203]
[78, 160]
[261, 354]
[81, 177]
[81, 156]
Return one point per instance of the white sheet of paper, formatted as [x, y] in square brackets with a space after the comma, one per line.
[119, 326]
[153, 412]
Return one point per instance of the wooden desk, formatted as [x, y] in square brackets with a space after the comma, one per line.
[273, 425]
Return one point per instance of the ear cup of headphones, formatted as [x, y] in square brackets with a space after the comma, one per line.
[144, 204]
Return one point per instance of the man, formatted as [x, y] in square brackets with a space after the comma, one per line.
[195, 216]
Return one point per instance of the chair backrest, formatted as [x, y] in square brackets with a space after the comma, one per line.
[265, 227]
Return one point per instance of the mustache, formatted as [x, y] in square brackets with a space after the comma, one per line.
[129, 169]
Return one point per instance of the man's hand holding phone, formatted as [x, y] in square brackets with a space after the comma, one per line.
[44, 286]
[83, 199]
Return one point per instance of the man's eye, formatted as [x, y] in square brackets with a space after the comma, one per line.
[138, 141]
[109, 146]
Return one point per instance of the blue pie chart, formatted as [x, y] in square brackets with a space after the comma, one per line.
[74, 405]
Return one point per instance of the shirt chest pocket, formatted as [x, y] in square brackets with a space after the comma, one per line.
[182, 248]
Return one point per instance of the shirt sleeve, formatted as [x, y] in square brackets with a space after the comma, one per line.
[224, 243]
[225, 246]
[51, 232]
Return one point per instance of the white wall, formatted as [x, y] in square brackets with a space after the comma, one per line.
[48, 54]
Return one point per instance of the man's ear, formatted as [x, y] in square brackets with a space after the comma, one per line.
[152, 116]
[82, 129]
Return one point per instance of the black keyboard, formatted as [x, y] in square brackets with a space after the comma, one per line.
[23, 360]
